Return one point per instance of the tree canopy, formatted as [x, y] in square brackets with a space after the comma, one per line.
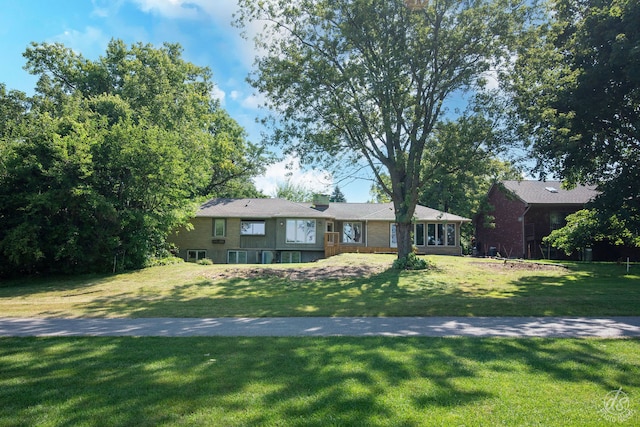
[366, 80]
[577, 93]
[109, 156]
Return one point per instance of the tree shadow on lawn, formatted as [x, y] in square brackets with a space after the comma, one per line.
[310, 381]
[588, 291]
[257, 297]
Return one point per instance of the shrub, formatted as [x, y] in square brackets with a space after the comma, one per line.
[205, 261]
[169, 260]
[410, 262]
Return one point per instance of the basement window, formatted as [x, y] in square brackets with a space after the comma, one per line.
[194, 255]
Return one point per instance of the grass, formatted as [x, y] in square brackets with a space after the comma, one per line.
[316, 381]
[454, 286]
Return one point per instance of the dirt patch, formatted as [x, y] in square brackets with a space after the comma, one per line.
[519, 265]
[299, 274]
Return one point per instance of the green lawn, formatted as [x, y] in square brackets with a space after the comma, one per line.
[317, 381]
[454, 286]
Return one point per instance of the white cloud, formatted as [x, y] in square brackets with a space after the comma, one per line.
[289, 169]
[170, 8]
[219, 94]
[105, 8]
[89, 42]
[253, 102]
[219, 11]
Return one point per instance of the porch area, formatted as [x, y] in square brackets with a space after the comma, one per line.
[333, 246]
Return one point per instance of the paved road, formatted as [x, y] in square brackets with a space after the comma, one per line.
[614, 327]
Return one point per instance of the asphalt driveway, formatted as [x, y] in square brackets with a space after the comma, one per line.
[557, 327]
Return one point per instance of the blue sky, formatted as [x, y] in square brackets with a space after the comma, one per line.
[202, 27]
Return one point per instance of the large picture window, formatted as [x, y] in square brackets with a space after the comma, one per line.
[252, 228]
[441, 234]
[352, 232]
[301, 231]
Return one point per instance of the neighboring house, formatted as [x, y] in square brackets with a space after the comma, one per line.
[524, 212]
[238, 231]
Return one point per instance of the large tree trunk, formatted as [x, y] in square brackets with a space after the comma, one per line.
[404, 210]
[403, 234]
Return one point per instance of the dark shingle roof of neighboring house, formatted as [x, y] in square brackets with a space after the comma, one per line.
[276, 208]
[550, 192]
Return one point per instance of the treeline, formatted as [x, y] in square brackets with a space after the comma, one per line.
[109, 156]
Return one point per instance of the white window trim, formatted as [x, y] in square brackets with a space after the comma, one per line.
[393, 236]
[197, 257]
[359, 223]
[253, 228]
[224, 227]
[301, 240]
[441, 237]
[237, 253]
[290, 255]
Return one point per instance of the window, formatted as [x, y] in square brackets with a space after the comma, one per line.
[301, 231]
[451, 234]
[431, 235]
[237, 257]
[252, 228]
[289, 257]
[352, 232]
[393, 241]
[441, 234]
[195, 255]
[219, 227]
[556, 220]
[418, 235]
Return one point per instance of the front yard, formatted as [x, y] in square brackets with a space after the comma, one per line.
[345, 285]
[324, 381]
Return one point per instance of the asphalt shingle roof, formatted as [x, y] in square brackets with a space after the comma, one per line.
[550, 192]
[277, 208]
[257, 208]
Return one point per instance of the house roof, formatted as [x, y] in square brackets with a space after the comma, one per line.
[278, 208]
[257, 209]
[385, 212]
[550, 192]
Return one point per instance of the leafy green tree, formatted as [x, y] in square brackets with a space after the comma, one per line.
[587, 227]
[465, 162]
[50, 216]
[366, 80]
[111, 155]
[337, 196]
[578, 95]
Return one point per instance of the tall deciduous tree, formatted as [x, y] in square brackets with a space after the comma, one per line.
[366, 80]
[578, 93]
[109, 156]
